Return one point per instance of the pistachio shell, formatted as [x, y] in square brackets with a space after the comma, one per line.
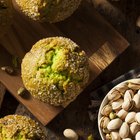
[128, 104]
[134, 128]
[114, 95]
[104, 122]
[106, 131]
[130, 118]
[106, 110]
[128, 95]
[115, 136]
[116, 105]
[124, 130]
[127, 139]
[137, 136]
[122, 114]
[122, 88]
[114, 124]
[136, 99]
[134, 85]
[70, 134]
[137, 117]
[108, 137]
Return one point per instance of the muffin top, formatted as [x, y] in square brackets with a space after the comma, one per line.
[55, 70]
[17, 127]
[49, 10]
[5, 15]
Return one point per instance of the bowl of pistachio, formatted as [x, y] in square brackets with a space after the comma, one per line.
[119, 113]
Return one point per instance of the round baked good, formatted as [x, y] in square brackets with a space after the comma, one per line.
[5, 15]
[17, 127]
[49, 10]
[55, 70]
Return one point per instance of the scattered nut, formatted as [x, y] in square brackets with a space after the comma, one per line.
[21, 91]
[70, 134]
[9, 70]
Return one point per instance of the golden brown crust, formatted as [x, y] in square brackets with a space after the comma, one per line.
[48, 10]
[20, 127]
[55, 70]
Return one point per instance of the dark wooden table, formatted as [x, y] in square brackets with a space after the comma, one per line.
[122, 15]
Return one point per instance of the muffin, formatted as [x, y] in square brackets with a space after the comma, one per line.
[55, 70]
[49, 10]
[17, 127]
[5, 15]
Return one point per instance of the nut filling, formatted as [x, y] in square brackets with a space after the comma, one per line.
[121, 115]
[55, 70]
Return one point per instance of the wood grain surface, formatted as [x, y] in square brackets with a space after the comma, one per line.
[94, 35]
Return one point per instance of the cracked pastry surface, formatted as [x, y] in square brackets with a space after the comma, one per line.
[55, 70]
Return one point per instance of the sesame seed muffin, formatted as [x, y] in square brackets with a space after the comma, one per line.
[5, 15]
[55, 70]
[17, 127]
[48, 10]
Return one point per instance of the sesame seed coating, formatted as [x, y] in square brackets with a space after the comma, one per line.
[55, 70]
[49, 10]
[17, 127]
[5, 15]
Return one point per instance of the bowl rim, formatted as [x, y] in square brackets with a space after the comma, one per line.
[105, 100]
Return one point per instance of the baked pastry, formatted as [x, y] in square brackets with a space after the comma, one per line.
[5, 15]
[17, 127]
[55, 70]
[49, 10]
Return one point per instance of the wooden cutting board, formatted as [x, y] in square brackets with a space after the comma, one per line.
[86, 27]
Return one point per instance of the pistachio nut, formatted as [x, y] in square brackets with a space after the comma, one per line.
[130, 117]
[108, 137]
[134, 128]
[106, 131]
[104, 122]
[122, 114]
[128, 105]
[124, 130]
[137, 136]
[70, 134]
[117, 105]
[114, 124]
[138, 91]
[106, 110]
[128, 95]
[134, 85]
[137, 117]
[122, 87]
[115, 136]
[114, 95]
[136, 99]
[127, 139]
[112, 115]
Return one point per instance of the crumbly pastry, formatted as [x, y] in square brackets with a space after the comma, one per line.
[55, 70]
[49, 10]
[5, 15]
[17, 127]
